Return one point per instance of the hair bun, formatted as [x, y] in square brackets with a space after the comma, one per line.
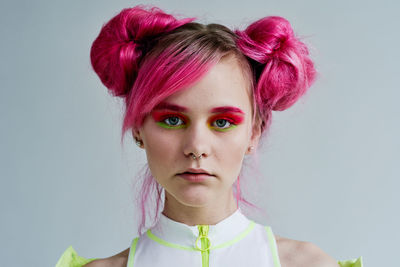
[117, 51]
[287, 70]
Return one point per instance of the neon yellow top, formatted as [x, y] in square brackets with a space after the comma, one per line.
[71, 259]
[235, 241]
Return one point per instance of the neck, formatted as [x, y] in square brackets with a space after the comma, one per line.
[208, 214]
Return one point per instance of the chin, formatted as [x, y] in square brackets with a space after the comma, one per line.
[194, 204]
[194, 199]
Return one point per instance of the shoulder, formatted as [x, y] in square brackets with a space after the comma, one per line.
[117, 260]
[302, 254]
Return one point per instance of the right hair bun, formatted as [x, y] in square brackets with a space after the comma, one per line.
[287, 70]
[116, 53]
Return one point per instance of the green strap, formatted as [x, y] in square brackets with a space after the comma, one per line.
[351, 263]
[71, 259]
[272, 244]
[172, 245]
[132, 252]
[238, 238]
[167, 244]
[205, 244]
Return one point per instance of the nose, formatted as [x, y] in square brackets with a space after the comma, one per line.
[197, 141]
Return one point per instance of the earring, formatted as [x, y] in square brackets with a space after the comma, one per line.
[139, 143]
[250, 148]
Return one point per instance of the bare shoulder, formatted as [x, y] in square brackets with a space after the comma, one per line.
[295, 253]
[117, 260]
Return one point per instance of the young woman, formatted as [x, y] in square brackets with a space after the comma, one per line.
[198, 99]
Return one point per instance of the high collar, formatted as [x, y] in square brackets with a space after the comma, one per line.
[181, 234]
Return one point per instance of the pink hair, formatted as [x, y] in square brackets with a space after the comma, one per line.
[281, 62]
[145, 56]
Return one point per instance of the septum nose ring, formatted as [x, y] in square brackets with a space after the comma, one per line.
[194, 156]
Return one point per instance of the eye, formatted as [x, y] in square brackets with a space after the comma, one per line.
[170, 121]
[223, 125]
[173, 121]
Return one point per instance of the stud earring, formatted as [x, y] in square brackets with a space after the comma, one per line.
[250, 148]
[139, 143]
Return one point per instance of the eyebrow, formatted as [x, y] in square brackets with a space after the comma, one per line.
[165, 105]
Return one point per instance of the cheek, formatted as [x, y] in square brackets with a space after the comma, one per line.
[161, 149]
[232, 149]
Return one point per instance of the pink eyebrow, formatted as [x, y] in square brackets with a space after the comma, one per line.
[226, 109]
[165, 105]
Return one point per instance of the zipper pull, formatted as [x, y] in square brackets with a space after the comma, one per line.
[203, 237]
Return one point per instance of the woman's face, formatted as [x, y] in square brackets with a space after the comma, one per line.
[212, 118]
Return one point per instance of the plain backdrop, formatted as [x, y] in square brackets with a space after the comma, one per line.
[329, 166]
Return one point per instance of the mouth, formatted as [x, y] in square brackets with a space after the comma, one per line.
[196, 172]
[195, 177]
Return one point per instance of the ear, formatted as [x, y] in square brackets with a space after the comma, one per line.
[138, 138]
[136, 134]
[255, 137]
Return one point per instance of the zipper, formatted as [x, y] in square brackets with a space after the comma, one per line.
[205, 244]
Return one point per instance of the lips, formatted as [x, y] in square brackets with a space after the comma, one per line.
[196, 171]
[195, 177]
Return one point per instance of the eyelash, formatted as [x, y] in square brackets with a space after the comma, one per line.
[230, 121]
[162, 122]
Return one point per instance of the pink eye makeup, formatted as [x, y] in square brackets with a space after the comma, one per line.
[170, 116]
[169, 120]
[225, 121]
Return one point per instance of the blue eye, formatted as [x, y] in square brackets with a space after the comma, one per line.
[222, 123]
[173, 121]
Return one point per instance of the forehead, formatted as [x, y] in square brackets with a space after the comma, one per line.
[223, 85]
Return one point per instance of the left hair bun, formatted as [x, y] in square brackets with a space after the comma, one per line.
[120, 46]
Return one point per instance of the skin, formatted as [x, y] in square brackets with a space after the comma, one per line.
[223, 148]
[169, 144]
